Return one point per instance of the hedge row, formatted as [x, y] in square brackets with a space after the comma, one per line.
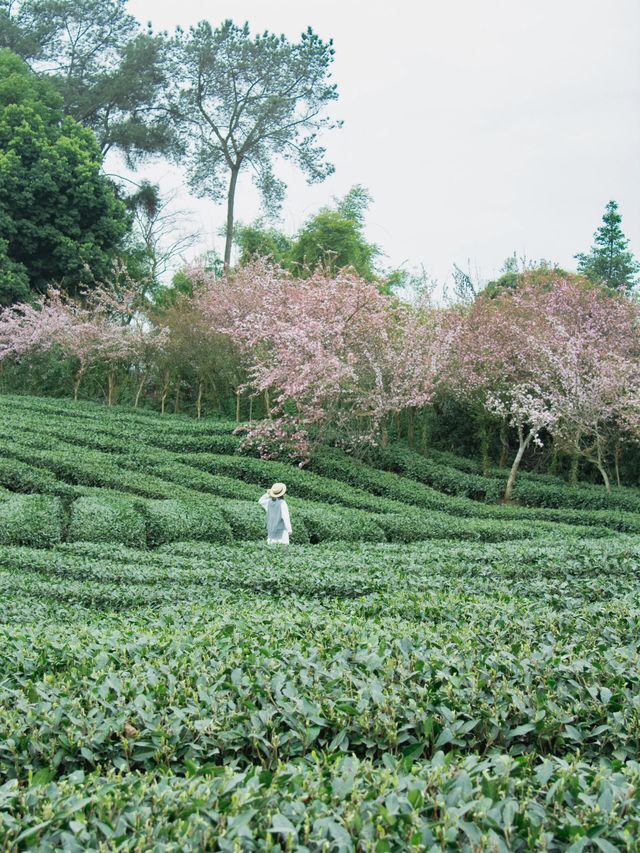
[120, 416]
[529, 490]
[302, 483]
[444, 478]
[99, 519]
[34, 520]
[19, 476]
[137, 523]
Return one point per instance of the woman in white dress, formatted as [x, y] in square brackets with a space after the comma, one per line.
[278, 521]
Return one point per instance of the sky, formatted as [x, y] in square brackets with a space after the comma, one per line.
[480, 127]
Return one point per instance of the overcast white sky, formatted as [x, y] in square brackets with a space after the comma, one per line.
[480, 127]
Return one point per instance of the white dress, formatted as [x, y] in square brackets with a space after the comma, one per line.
[282, 538]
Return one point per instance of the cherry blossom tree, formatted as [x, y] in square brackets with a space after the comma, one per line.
[104, 329]
[558, 357]
[591, 353]
[332, 350]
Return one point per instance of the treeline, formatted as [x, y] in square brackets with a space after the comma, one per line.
[546, 372]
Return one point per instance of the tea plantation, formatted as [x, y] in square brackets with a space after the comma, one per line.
[423, 668]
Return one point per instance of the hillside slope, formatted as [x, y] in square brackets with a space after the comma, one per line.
[134, 478]
[433, 672]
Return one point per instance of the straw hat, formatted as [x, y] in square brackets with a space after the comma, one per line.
[277, 490]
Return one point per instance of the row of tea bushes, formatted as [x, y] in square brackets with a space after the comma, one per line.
[496, 803]
[108, 516]
[532, 490]
[277, 654]
[40, 409]
[138, 523]
[44, 458]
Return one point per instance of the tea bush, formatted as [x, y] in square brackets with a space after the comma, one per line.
[173, 520]
[435, 672]
[31, 520]
[103, 519]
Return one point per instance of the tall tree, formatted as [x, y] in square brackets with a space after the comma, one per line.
[243, 101]
[58, 211]
[610, 260]
[111, 74]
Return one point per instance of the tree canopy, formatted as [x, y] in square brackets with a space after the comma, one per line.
[242, 101]
[111, 74]
[58, 212]
[332, 239]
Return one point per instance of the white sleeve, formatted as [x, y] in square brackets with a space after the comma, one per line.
[264, 500]
[285, 517]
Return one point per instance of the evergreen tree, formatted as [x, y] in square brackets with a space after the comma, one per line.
[111, 73]
[609, 260]
[59, 213]
[244, 102]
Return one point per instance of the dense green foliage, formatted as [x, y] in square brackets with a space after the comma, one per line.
[434, 697]
[332, 239]
[610, 260]
[111, 74]
[204, 690]
[58, 212]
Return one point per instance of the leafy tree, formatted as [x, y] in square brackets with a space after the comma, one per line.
[609, 260]
[261, 241]
[59, 214]
[334, 238]
[111, 75]
[243, 101]
[516, 272]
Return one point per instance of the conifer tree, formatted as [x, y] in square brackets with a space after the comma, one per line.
[609, 260]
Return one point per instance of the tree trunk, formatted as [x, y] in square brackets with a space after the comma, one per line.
[504, 443]
[176, 404]
[141, 385]
[600, 465]
[111, 388]
[384, 437]
[523, 443]
[250, 409]
[484, 446]
[575, 460]
[424, 438]
[76, 383]
[237, 407]
[411, 436]
[230, 202]
[166, 384]
[573, 468]
[398, 426]
[267, 404]
[604, 475]
[616, 457]
[199, 400]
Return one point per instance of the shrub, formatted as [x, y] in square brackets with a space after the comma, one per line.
[21, 477]
[444, 478]
[175, 520]
[328, 524]
[34, 520]
[102, 519]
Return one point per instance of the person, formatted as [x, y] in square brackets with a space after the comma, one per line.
[278, 521]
